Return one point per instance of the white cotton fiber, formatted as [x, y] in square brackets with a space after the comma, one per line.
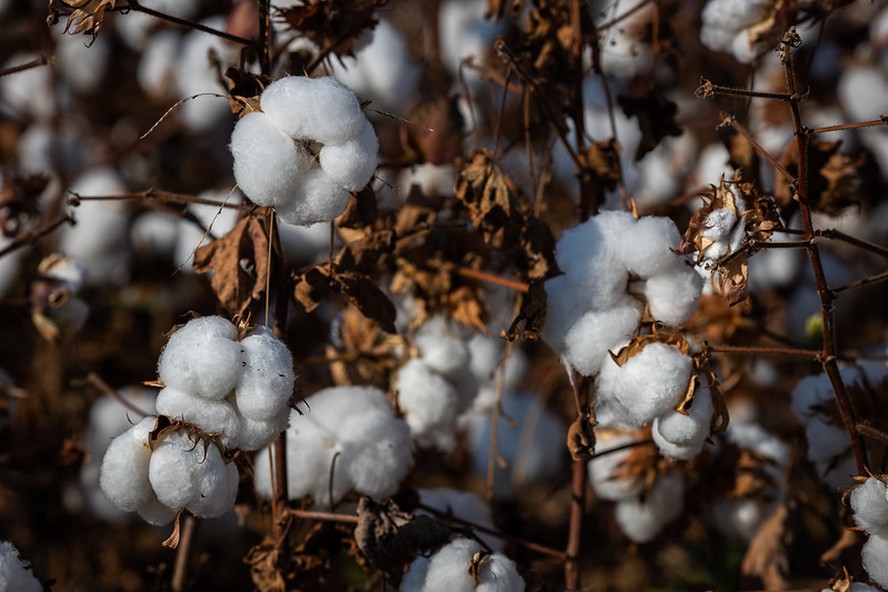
[825, 440]
[319, 109]
[741, 517]
[647, 249]
[673, 295]
[443, 347]
[642, 520]
[870, 506]
[211, 416]
[862, 91]
[319, 200]
[565, 303]
[253, 434]
[195, 74]
[463, 505]
[354, 425]
[352, 163]
[649, 384]
[203, 358]
[124, 473]
[153, 235]
[268, 165]
[154, 512]
[217, 486]
[430, 403]
[808, 393]
[682, 437]
[448, 570]
[588, 341]
[604, 470]
[266, 381]
[156, 70]
[15, 576]
[875, 559]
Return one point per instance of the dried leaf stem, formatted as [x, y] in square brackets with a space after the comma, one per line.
[849, 126]
[35, 63]
[74, 199]
[28, 237]
[183, 554]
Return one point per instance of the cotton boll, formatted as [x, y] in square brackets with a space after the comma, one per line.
[648, 384]
[825, 440]
[268, 165]
[442, 346]
[372, 455]
[266, 381]
[870, 506]
[319, 109]
[414, 579]
[99, 238]
[595, 333]
[153, 235]
[180, 467]
[195, 75]
[463, 505]
[564, 306]
[155, 513]
[254, 434]
[202, 358]
[673, 295]
[351, 164]
[212, 416]
[862, 90]
[156, 72]
[873, 555]
[682, 437]
[27, 93]
[430, 404]
[217, 486]
[448, 569]
[320, 200]
[124, 473]
[649, 251]
[642, 520]
[15, 576]
[603, 470]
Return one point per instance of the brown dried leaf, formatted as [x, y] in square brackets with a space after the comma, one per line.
[467, 308]
[489, 195]
[581, 437]
[656, 118]
[532, 313]
[435, 133]
[244, 89]
[84, 16]
[366, 296]
[333, 25]
[240, 264]
[638, 343]
[766, 557]
[849, 539]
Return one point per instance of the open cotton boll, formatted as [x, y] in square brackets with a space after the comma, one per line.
[673, 295]
[648, 250]
[430, 404]
[266, 380]
[449, 569]
[202, 358]
[648, 384]
[15, 575]
[725, 25]
[351, 164]
[604, 470]
[156, 72]
[463, 505]
[564, 305]
[217, 488]
[268, 164]
[319, 109]
[196, 74]
[443, 347]
[124, 474]
[642, 520]
[596, 332]
[371, 456]
[682, 437]
[254, 434]
[873, 556]
[870, 506]
[212, 416]
[320, 200]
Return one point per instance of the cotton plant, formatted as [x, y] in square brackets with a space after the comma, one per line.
[306, 151]
[15, 572]
[221, 393]
[462, 566]
[342, 439]
[869, 503]
[813, 404]
[437, 386]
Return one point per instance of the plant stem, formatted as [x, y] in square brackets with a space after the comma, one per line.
[578, 480]
[136, 7]
[35, 63]
[780, 352]
[27, 238]
[183, 554]
[849, 126]
[738, 127]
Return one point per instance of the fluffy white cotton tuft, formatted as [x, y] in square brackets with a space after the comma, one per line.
[430, 404]
[604, 470]
[726, 26]
[642, 520]
[212, 416]
[124, 473]
[266, 380]
[649, 249]
[203, 358]
[647, 385]
[443, 347]
[449, 569]
[597, 332]
[354, 425]
[15, 574]
[673, 295]
[873, 555]
[870, 506]
[352, 163]
[682, 437]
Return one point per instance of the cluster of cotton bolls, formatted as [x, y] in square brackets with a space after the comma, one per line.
[309, 147]
[640, 515]
[15, 574]
[463, 566]
[813, 404]
[235, 392]
[869, 502]
[436, 387]
[343, 439]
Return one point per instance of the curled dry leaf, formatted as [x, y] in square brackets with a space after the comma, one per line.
[581, 437]
[358, 289]
[333, 25]
[766, 557]
[84, 16]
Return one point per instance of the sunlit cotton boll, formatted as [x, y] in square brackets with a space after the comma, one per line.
[203, 358]
[596, 332]
[874, 555]
[870, 506]
[647, 385]
[190, 474]
[212, 416]
[681, 437]
[15, 575]
[641, 520]
[351, 164]
[450, 569]
[430, 404]
[353, 428]
[673, 295]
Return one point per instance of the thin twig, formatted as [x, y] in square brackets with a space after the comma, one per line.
[707, 89]
[323, 516]
[134, 6]
[474, 274]
[879, 277]
[35, 63]
[849, 126]
[777, 352]
[833, 234]
[578, 481]
[96, 381]
[738, 127]
[155, 194]
[183, 554]
[28, 238]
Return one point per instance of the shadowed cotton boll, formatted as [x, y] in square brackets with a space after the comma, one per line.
[356, 427]
[202, 357]
[430, 403]
[681, 437]
[124, 474]
[463, 505]
[15, 575]
[870, 506]
[873, 555]
[450, 569]
[604, 471]
[641, 520]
